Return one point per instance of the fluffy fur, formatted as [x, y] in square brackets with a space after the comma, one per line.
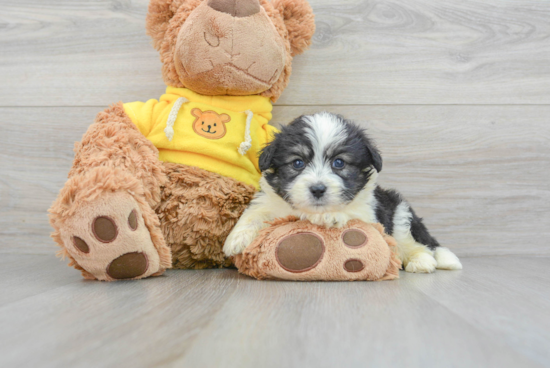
[323, 168]
[299, 22]
[197, 211]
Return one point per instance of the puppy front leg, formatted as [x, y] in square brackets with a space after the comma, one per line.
[247, 229]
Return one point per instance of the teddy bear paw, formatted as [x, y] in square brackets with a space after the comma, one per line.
[303, 252]
[109, 239]
[351, 254]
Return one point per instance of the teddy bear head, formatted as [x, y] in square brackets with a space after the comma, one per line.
[230, 47]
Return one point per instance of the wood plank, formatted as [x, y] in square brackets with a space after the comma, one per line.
[425, 52]
[89, 323]
[349, 324]
[511, 295]
[35, 158]
[57, 53]
[477, 174]
[23, 276]
[217, 318]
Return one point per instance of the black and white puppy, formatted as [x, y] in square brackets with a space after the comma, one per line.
[323, 168]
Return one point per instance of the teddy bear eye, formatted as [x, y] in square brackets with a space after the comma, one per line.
[202, 123]
[212, 39]
[215, 124]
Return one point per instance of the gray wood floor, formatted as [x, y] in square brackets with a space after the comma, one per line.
[494, 313]
[457, 95]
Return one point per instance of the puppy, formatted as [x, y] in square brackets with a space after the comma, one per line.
[323, 168]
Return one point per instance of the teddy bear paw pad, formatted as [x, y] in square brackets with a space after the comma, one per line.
[105, 229]
[354, 265]
[81, 245]
[128, 266]
[354, 238]
[300, 252]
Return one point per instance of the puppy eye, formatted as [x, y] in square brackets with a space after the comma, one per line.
[338, 163]
[298, 164]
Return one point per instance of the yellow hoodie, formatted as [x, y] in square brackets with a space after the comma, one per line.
[221, 134]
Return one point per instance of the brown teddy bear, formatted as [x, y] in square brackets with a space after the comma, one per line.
[160, 184]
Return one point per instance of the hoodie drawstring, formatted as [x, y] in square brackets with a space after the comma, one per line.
[247, 144]
[169, 130]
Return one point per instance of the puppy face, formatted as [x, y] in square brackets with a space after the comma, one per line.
[318, 163]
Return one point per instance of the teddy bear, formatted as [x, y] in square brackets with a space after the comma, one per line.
[160, 184]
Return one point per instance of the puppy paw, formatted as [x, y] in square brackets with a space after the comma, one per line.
[422, 262]
[108, 238]
[238, 240]
[446, 260]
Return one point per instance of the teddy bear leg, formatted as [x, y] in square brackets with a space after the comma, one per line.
[197, 211]
[293, 250]
[107, 228]
[304, 251]
[103, 218]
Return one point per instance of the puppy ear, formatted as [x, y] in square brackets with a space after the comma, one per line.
[299, 21]
[375, 156]
[266, 156]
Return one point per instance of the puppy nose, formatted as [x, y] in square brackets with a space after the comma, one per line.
[236, 8]
[318, 190]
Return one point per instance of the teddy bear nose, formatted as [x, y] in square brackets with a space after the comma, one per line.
[236, 8]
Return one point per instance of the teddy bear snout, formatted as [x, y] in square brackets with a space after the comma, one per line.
[220, 54]
[236, 8]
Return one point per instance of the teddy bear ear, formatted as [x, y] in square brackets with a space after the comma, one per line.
[299, 21]
[161, 12]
